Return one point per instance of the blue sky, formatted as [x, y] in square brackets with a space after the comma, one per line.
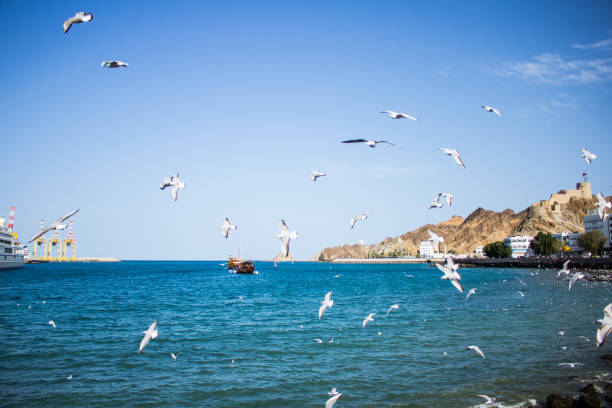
[245, 99]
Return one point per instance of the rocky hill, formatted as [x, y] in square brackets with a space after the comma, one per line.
[564, 211]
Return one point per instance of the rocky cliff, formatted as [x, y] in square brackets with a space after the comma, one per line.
[564, 211]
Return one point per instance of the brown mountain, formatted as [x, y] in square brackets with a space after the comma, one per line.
[563, 211]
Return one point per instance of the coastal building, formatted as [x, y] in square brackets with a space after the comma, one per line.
[593, 222]
[479, 251]
[426, 249]
[569, 239]
[519, 244]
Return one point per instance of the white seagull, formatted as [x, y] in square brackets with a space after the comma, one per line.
[316, 174]
[327, 302]
[360, 217]
[454, 153]
[392, 307]
[470, 293]
[564, 269]
[488, 399]
[436, 202]
[175, 356]
[450, 275]
[491, 109]
[330, 402]
[369, 318]
[574, 278]
[150, 333]
[57, 225]
[226, 227]
[435, 238]
[602, 204]
[114, 64]
[588, 156]
[449, 198]
[399, 115]
[69, 377]
[333, 392]
[286, 236]
[79, 17]
[477, 349]
[371, 143]
[52, 323]
[173, 182]
[318, 341]
[606, 326]
[572, 365]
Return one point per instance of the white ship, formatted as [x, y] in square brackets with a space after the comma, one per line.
[11, 251]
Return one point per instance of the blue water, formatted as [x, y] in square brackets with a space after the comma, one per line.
[266, 324]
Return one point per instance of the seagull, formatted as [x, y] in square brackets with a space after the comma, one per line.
[454, 153]
[451, 276]
[564, 269]
[370, 318]
[150, 333]
[360, 217]
[316, 174]
[286, 236]
[226, 227]
[561, 333]
[470, 293]
[435, 238]
[57, 225]
[175, 356]
[327, 302]
[392, 307]
[602, 204]
[491, 109]
[69, 377]
[521, 293]
[449, 198]
[488, 399]
[318, 341]
[52, 323]
[399, 115]
[606, 326]
[330, 402]
[79, 17]
[476, 349]
[588, 156]
[333, 392]
[114, 64]
[436, 202]
[371, 143]
[453, 267]
[572, 365]
[574, 278]
[173, 182]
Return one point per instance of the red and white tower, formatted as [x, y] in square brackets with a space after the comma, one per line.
[11, 219]
[70, 236]
[42, 224]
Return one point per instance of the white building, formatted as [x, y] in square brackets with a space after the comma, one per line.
[479, 251]
[570, 239]
[426, 249]
[593, 222]
[519, 244]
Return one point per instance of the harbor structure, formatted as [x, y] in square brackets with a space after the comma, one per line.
[519, 245]
[38, 242]
[568, 239]
[69, 242]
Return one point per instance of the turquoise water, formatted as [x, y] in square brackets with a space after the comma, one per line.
[266, 324]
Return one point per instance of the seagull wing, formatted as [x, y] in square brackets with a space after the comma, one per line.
[68, 24]
[606, 326]
[328, 296]
[565, 265]
[144, 342]
[322, 309]
[384, 141]
[457, 156]
[65, 217]
[409, 116]
[330, 402]
[353, 221]
[283, 227]
[42, 232]
[175, 189]
[354, 141]
[285, 245]
[457, 284]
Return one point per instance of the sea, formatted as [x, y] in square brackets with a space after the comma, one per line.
[251, 340]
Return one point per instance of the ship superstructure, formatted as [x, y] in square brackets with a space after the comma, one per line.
[11, 250]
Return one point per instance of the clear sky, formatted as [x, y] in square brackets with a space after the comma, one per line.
[245, 99]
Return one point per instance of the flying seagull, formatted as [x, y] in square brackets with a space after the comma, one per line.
[564, 269]
[114, 64]
[470, 293]
[399, 115]
[588, 156]
[454, 153]
[606, 326]
[392, 307]
[175, 356]
[488, 400]
[286, 236]
[436, 202]
[572, 365]
[451, 276]
[52, 323]
[330, 402]
[80, 17]
[371, 143]
[602, 204]
[173, 182]
[435, 238]
[360, 217]
[316, 174]
[574, 278]
[69, 377]
[477, 349]
[57, 225]
[226, 227]
[150, 333]
[369, 318]
[449, 198]
[491, 109]
[327, 302]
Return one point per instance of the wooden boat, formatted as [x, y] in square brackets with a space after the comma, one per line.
[235, 261]
[245, 267]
